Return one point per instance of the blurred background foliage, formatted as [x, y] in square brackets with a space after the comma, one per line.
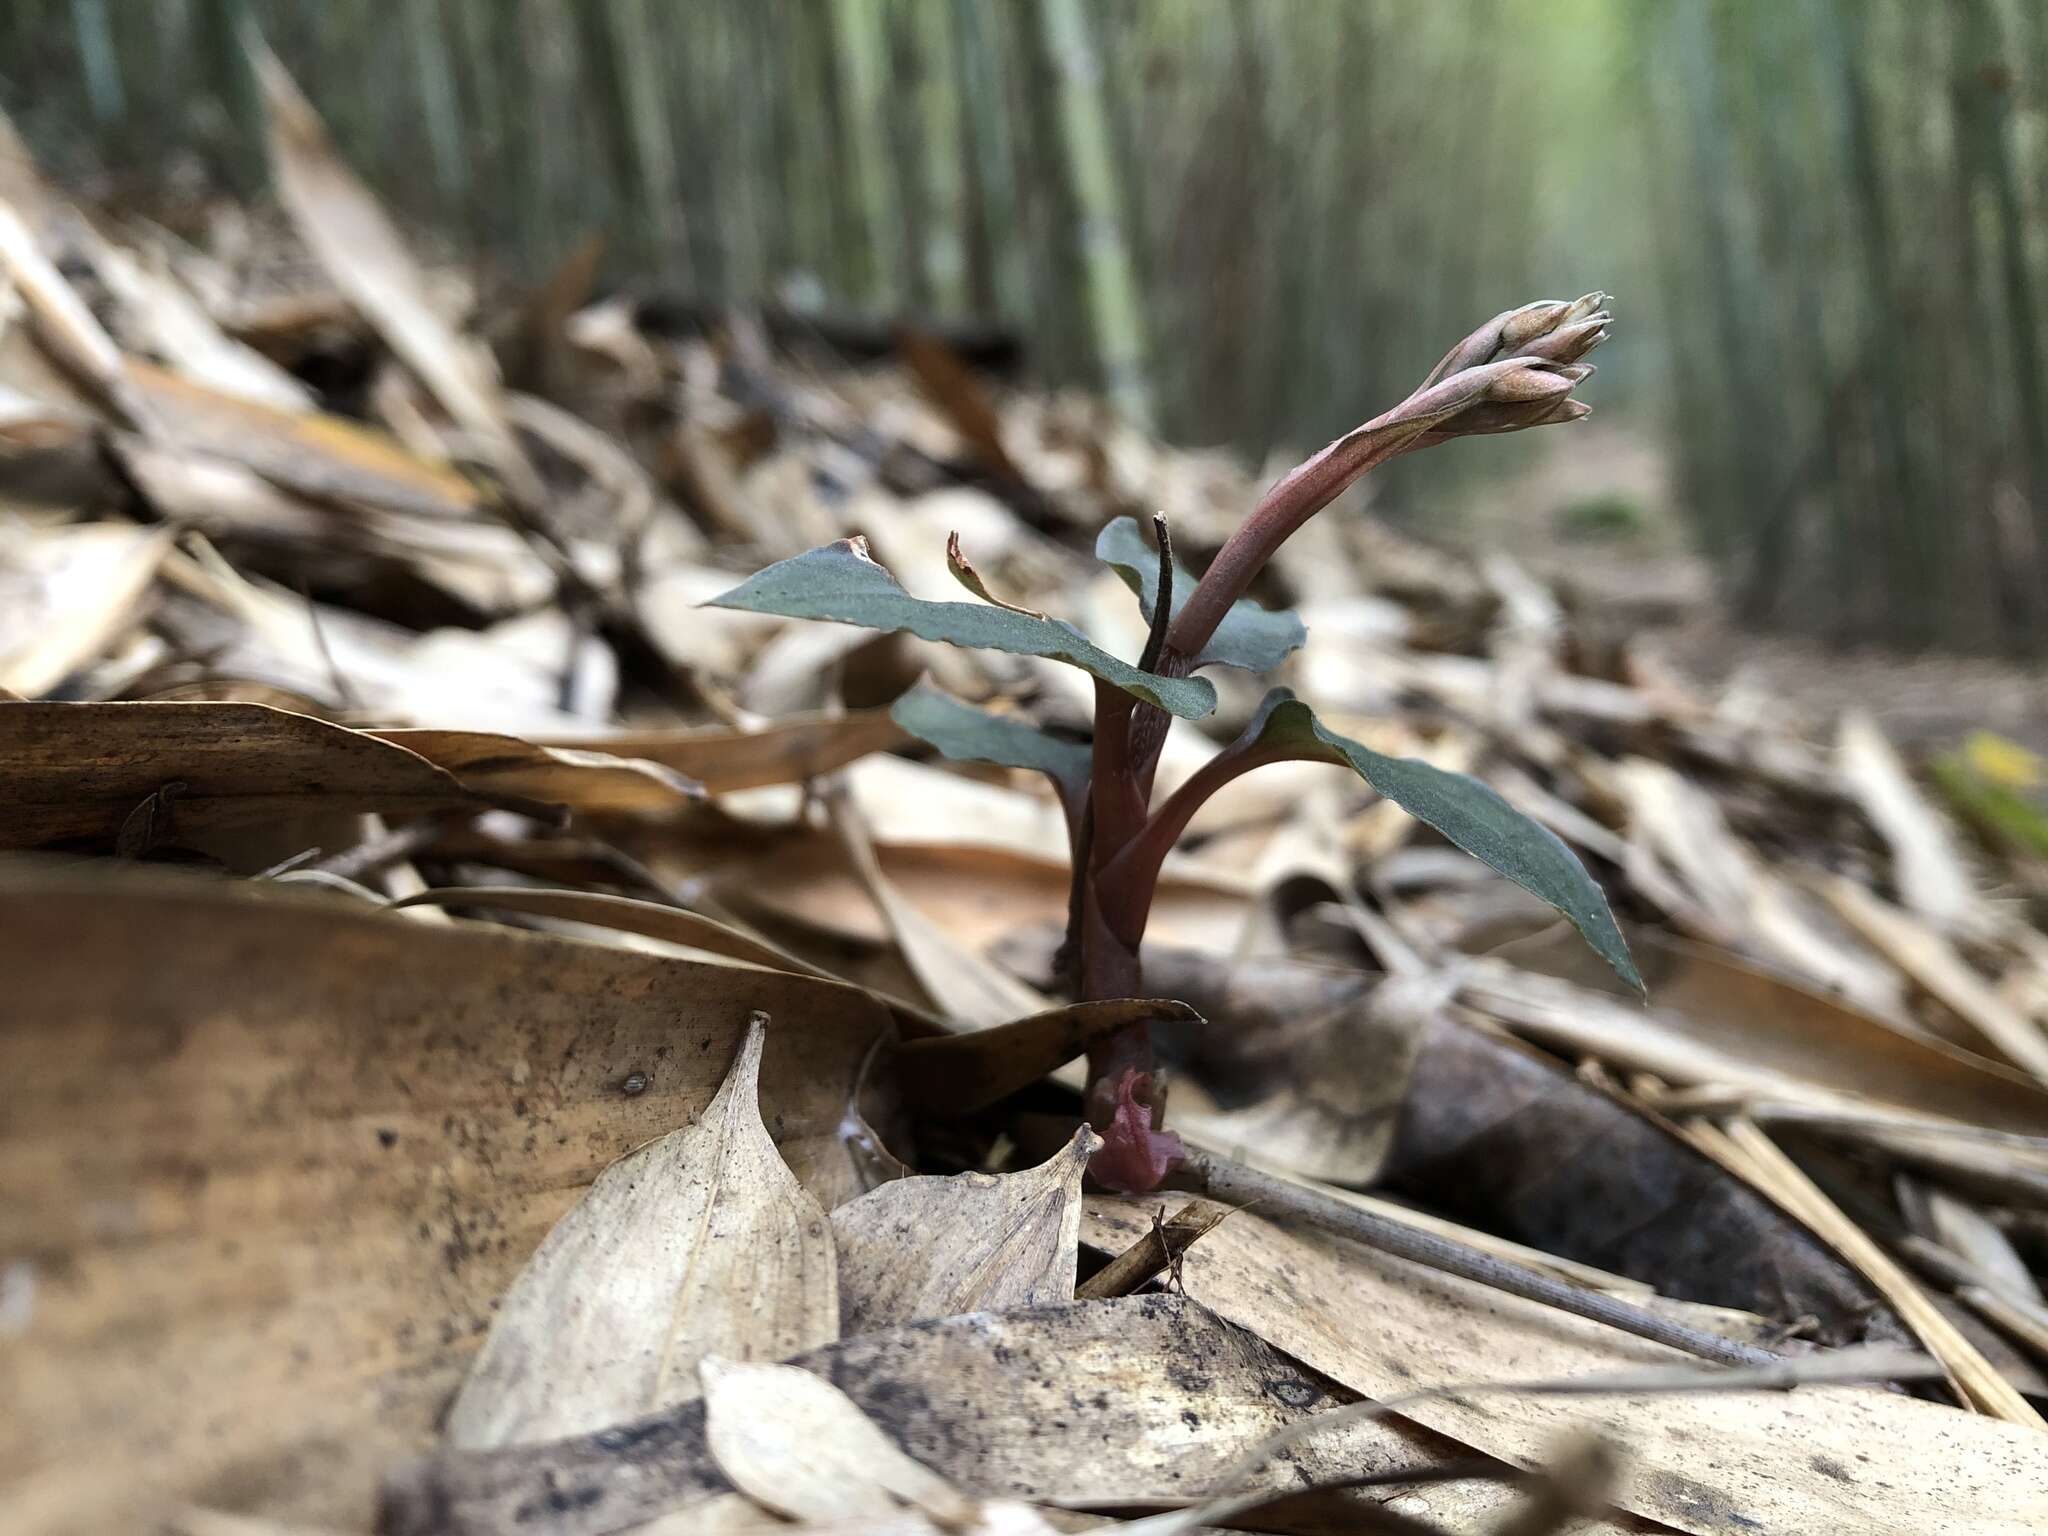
[1826, 220]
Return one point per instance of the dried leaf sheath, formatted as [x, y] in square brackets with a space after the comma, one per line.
[700, 1243]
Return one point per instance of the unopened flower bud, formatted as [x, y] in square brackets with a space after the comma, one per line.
[1531, 383]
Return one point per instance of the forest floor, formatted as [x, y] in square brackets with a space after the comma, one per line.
[1644, 574]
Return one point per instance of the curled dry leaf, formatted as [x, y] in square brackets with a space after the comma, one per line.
[595, 783]
[792, 1441]
[697, 1244]
[1793, 1464]
[724, 760]
[283, 1067]
[1144, 1400]
[930, 1247]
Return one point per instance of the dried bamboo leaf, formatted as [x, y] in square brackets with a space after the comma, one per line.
[314, 453]
[66, 594]
[366, 258]
[598, 783]
[1794, 1464]
[792, 1441]
[1933, 963]
[700, 1243]
[339, 1136]
[723, 760]
[76, 771]
[1715, 1019]
[930, 1247]
[1929, 869]
[650, 919]
[62, 323]
[966, 987]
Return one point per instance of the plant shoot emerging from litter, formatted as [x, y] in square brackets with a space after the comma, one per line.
[1517, 370]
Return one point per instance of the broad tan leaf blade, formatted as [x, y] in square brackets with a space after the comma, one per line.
[976, 1242]
[209, 1087]
[792, 1441]
[1251, 637]
[724, 760]
[366, 258]
[1464, 810]
[1140, 1400]
[843, 584]
[583, 780]
[699, 1243]
[78, 771]
[1786, 1464]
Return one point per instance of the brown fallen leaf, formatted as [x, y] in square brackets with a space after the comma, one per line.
[1714, 1018]
[76, 772]
[930, 1247]
[701, 1243]
[340, 1136]
[673, 925]
[795, 1443]
[722, 760]
[592, 783]
[1144, 1400]
[1819, 1460]
[970, 990]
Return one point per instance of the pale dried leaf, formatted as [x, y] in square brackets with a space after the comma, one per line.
[66, 594]
[1930, 872]
[699, 1243]
[1820, 1459]
[794, 1442]
[976, 1242]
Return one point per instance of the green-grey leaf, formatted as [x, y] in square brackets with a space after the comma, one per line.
[967, 734]
[1464, 810]
[842, 584]
[1251, 637]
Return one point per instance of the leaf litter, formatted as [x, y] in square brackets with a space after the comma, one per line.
[414, 799]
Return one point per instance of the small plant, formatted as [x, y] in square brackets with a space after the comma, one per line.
[1518, 370]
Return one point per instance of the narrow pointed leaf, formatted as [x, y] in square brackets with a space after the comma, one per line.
[967, 734]
[1255, 638]
[842, 584]
[1464, 810]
